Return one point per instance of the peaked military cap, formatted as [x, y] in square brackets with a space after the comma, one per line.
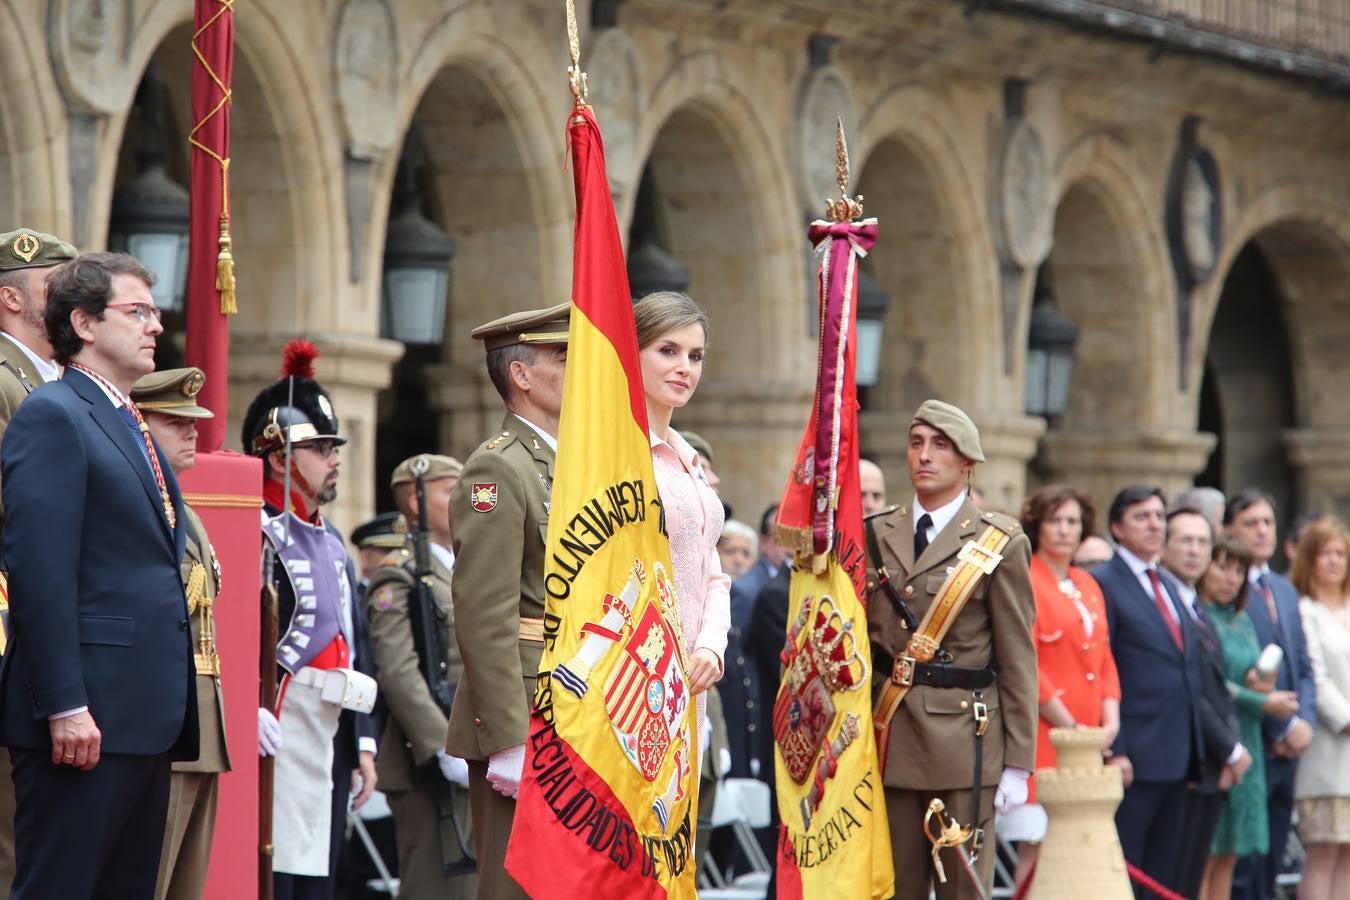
[386, 531]
[172, 392]
[437, 467]
[955, 424]
[25, 248]
[531, 326]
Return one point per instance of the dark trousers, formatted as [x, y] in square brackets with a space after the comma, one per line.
[1150, 821]
[94, 834]
[1254, 878]
[304, 887]
[1202, 816]
[493, 815]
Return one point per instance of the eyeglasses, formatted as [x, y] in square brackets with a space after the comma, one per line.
[144, 312]
[325, 449]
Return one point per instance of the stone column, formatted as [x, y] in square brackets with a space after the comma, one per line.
[1081, 855]
[353, 369]
[1320, 458]
[468, 406]
[1102, 461]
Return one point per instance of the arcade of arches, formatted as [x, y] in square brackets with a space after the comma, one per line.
[1204, 262]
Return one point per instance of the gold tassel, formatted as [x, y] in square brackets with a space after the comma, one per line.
[225, 271]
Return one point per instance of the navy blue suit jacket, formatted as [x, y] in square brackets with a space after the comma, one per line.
[745, 590]
[98, 615]
[1160, 686]
[1296, 672]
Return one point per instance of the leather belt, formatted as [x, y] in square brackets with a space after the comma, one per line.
[532, 630]
[943, 675]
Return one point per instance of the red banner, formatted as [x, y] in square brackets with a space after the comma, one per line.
[208, 337]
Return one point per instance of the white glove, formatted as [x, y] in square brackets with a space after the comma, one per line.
[723, 762]
[269, 733]
[504, 768]
[1012, 790]
[455, 770]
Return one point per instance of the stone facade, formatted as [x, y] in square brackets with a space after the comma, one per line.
[989, 141]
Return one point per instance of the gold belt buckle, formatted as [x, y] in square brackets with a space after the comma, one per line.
[980, 556]
[902, 673]
[981, 716]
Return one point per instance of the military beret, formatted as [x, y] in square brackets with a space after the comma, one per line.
[386, 531]
[437, 466]
[172, 392]
[955, 424]
[29, 249]
[700, 445]
[532, 326]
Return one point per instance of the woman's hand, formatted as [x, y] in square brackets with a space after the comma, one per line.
[1259, 684]
[1280, 704]
[704, 670]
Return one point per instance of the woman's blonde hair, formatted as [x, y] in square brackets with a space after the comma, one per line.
[1315, 537]
[662, 312]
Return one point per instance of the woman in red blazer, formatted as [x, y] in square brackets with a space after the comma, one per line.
[1077, 675]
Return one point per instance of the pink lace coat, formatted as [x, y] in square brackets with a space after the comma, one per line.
[694, 521]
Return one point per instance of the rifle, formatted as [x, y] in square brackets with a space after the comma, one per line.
[431, 642]
[268, 698]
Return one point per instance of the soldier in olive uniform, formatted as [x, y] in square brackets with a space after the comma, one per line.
[499, 512]
[374, 539]
[421, 781]
[168, 400]
[985, 670]
[26, 258]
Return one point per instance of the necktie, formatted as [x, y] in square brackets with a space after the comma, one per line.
[921, 534]
[1263, 585]
[1172, 625]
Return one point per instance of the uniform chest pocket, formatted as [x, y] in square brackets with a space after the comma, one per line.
[935, 580]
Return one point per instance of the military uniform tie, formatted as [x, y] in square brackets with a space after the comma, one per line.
[921, 535]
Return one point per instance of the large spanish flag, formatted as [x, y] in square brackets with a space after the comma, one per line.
[834, 840]
[608, 801]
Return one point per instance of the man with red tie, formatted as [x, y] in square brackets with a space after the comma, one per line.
[1157, 652]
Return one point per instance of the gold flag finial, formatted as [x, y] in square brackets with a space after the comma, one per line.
[846, 207]
[575, 77]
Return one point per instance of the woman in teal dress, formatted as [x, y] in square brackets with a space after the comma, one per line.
[1241, 829]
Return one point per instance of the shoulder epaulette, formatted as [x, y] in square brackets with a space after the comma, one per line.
[497, 441]
[882, 512]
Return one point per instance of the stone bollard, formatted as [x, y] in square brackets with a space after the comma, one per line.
[1081, 855]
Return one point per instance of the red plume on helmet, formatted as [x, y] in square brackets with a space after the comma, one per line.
[298, 359]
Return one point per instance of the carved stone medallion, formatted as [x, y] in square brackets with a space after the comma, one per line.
[822, 100]
[365, 69]
[89, 42]
[1023, 194]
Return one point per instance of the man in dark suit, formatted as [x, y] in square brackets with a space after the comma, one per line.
[745, 590]
[97, 686]
[1156, 648]
[1273, 608]
[1186, 555]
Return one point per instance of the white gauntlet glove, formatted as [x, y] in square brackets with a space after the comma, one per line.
[1012, 790]
[504, 768]
[269, 733]
[455, 770]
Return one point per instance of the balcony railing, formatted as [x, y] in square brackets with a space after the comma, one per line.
[1303, 37]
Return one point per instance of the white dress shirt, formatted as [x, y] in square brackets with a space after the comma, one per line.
[1141, 570]
[941, 516]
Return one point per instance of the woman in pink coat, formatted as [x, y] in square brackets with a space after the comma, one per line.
[672, 332]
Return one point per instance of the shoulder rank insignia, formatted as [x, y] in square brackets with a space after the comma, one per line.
[498, 440]
[483, 496]
[383, 598]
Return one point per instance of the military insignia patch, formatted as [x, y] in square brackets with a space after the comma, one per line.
[483, 496]
[26, 246]
[383, 598]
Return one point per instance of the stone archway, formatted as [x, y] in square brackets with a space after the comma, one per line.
[33, 165]
[1274, 344]
[715, 198]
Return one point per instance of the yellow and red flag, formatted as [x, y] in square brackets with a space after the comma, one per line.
[608, 801]
[834, 840]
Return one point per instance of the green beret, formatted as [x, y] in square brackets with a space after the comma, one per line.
[388, 531]
[700, 445]
[437, 467]
[955, 424]
[29, 249]
[532, 326]
[172, 392]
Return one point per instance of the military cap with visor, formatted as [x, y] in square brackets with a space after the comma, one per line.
[435, 467]
[387, 531]
[955, 424]
[294, 409]
[25, 248]
[531, 326]
[171, 392]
